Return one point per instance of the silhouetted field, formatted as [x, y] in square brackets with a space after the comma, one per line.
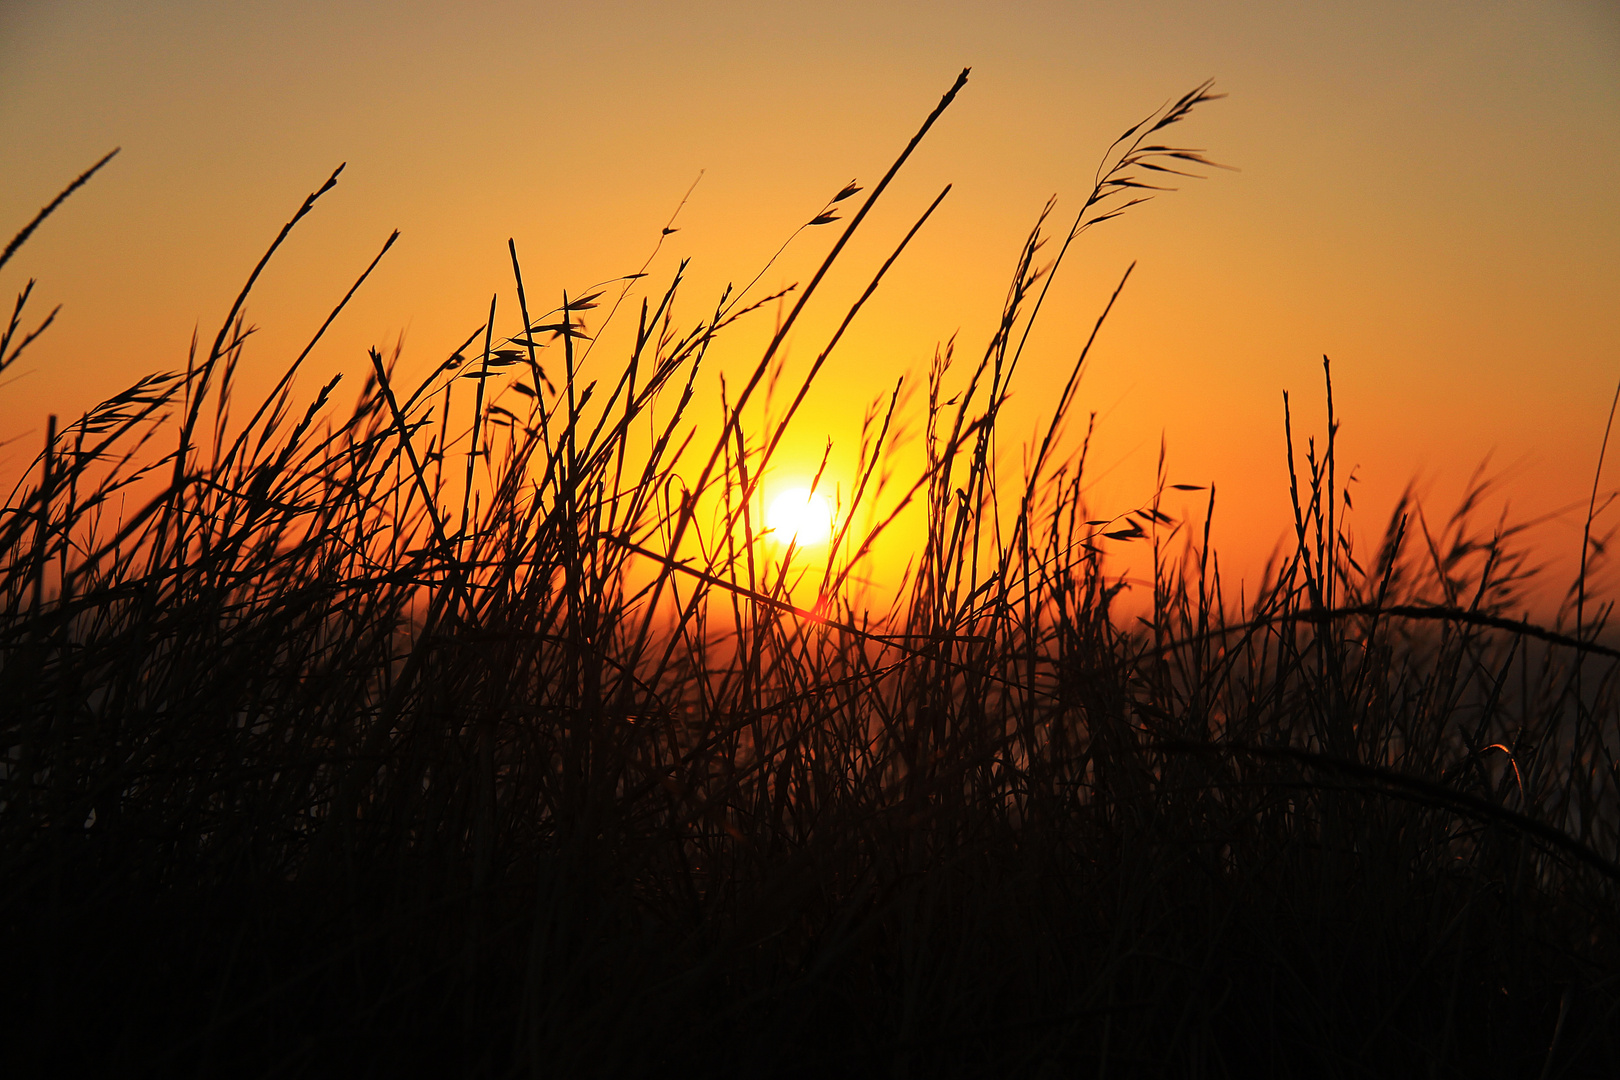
[476, 732]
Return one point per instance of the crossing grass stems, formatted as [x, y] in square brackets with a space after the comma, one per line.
[476, 729]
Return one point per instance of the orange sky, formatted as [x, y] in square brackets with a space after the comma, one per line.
[1428, 193]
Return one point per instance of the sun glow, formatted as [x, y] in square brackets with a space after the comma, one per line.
[799, 516]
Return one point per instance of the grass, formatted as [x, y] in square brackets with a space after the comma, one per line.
[480, 731]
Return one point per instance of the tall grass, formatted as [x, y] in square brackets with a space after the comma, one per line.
[480, 730]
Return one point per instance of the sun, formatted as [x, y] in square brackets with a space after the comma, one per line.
[799, 516]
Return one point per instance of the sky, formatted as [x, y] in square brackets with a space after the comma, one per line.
[1424, 191]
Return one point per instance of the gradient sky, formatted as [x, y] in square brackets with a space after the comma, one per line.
[1429, 192]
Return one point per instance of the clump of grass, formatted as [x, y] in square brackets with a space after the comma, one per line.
[478, 730]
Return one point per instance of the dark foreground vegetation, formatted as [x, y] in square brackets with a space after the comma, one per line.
[316, 764]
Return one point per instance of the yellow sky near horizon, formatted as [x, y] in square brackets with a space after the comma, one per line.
[1427, 194]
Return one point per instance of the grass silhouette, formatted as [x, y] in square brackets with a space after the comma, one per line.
[479, 731]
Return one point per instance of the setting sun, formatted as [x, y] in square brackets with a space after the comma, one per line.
[693, 547]
[800, 516]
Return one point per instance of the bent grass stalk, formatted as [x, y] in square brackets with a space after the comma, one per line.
[578, 788]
